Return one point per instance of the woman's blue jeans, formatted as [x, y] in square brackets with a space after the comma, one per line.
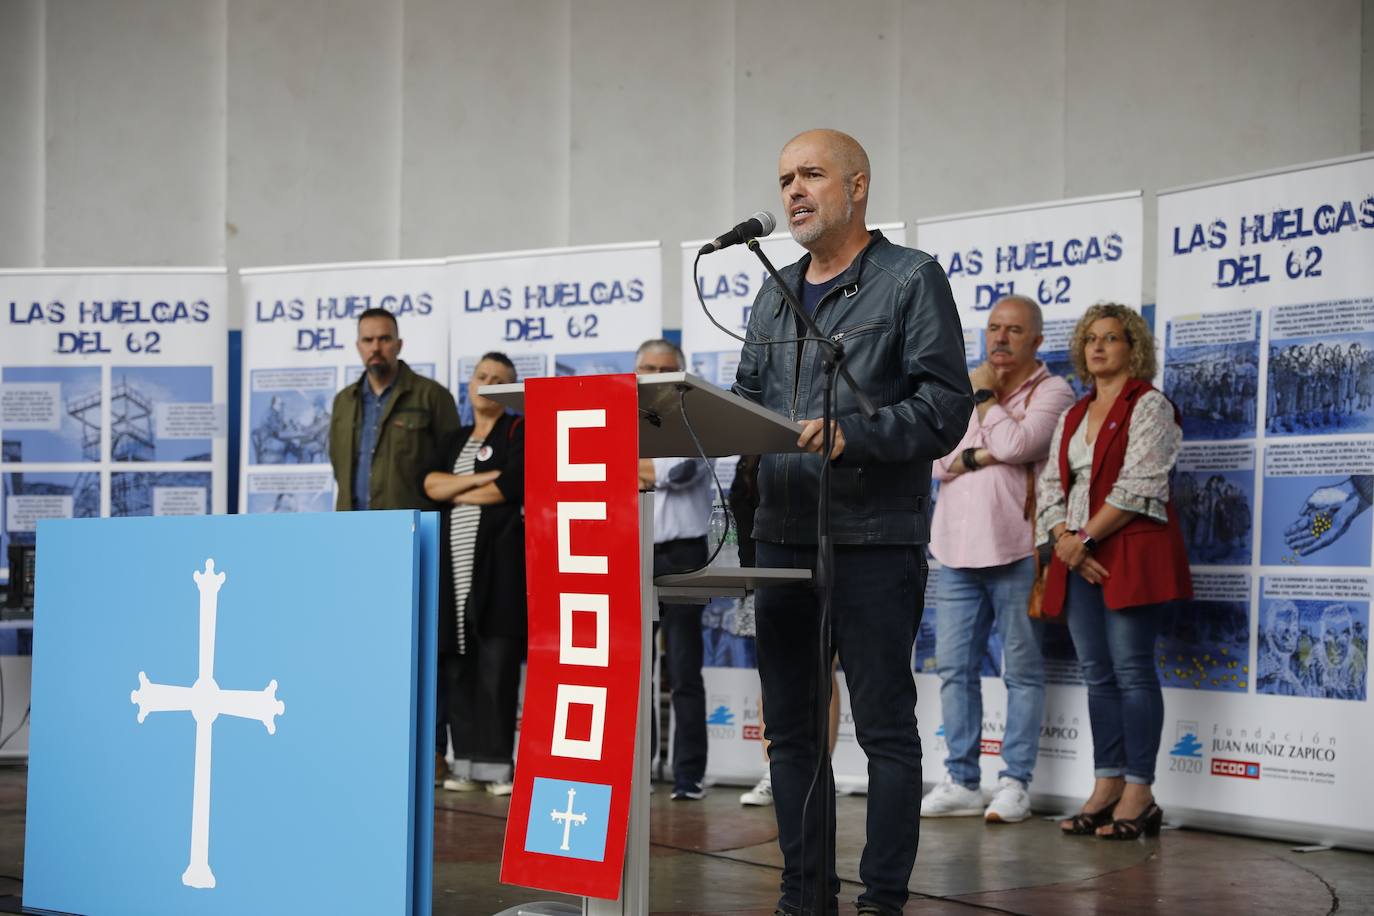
[1116, 650]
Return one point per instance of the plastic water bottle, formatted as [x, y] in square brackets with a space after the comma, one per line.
[729, 551]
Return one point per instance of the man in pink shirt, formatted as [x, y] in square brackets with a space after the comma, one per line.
[983, 540]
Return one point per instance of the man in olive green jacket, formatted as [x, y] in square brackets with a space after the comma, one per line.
[390, 428]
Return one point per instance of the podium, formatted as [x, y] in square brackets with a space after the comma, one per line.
[724, 424]
[205, 666]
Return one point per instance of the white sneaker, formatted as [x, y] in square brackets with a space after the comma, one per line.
[1010, 803]
[500, 788]
[949, 799]
[461, 784]
[761, 795]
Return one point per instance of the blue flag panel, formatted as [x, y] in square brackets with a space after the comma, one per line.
[225, 715]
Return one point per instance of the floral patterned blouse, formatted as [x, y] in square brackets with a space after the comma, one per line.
[1152, 447]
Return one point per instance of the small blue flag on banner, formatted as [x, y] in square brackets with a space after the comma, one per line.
[568, 819]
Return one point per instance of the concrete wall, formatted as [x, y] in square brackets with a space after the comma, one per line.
[1367, 77]
[135, 132]
[485, 135]
[314, 131]
[254, 132]
[21, 133]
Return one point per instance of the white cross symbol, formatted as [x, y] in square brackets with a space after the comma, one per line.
[206, 701]
[568, 819]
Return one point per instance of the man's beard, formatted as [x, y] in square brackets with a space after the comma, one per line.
[382, 368]
[819, 226]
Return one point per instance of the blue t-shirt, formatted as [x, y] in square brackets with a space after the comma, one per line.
[813, 293]
[811, 296]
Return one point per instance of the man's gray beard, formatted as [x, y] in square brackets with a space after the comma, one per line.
[808, 234]
[379, 369]
[805, 235]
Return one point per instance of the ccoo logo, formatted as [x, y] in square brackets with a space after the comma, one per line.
[1243, 769]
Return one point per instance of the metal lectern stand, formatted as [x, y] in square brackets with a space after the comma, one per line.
[725, 424]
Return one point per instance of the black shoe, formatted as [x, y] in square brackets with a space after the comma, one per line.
[688, 791]
[1147, 824]
[1085, 823]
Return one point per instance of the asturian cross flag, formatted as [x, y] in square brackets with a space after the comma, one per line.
[206, 702]
[230, 712]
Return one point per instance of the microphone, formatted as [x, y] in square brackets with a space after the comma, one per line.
[761, 223]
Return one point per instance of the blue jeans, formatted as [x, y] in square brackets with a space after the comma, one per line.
[967, 601]
[876, 611]
[1125, 704]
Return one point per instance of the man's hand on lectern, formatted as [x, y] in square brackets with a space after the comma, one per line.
[811, 439]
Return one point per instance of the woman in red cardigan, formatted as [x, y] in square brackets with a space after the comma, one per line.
[1118, 558]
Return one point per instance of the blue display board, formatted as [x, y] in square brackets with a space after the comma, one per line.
[191, 676]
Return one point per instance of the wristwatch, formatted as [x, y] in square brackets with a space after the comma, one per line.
[970, 462]
[983, 394]
[1088, 540]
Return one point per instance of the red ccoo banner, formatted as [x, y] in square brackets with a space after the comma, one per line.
[569, 811]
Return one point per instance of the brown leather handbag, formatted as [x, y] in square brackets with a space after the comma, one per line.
[1041, 552]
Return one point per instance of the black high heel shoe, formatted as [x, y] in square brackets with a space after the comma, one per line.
[1147, 824]
[1085, 823]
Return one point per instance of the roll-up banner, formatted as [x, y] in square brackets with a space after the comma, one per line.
[299, 350]
[729, 280]
[113, 386]
[557, 311]
[1266, 304]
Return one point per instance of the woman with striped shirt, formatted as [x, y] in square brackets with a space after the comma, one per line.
[482, 628]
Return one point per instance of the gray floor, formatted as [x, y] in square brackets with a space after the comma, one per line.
[713, 856]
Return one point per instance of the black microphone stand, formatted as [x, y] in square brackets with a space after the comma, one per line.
[833, 357]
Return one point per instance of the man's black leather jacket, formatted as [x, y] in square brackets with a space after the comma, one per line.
[893, 311]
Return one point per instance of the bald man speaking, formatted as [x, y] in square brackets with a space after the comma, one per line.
[892, 310]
